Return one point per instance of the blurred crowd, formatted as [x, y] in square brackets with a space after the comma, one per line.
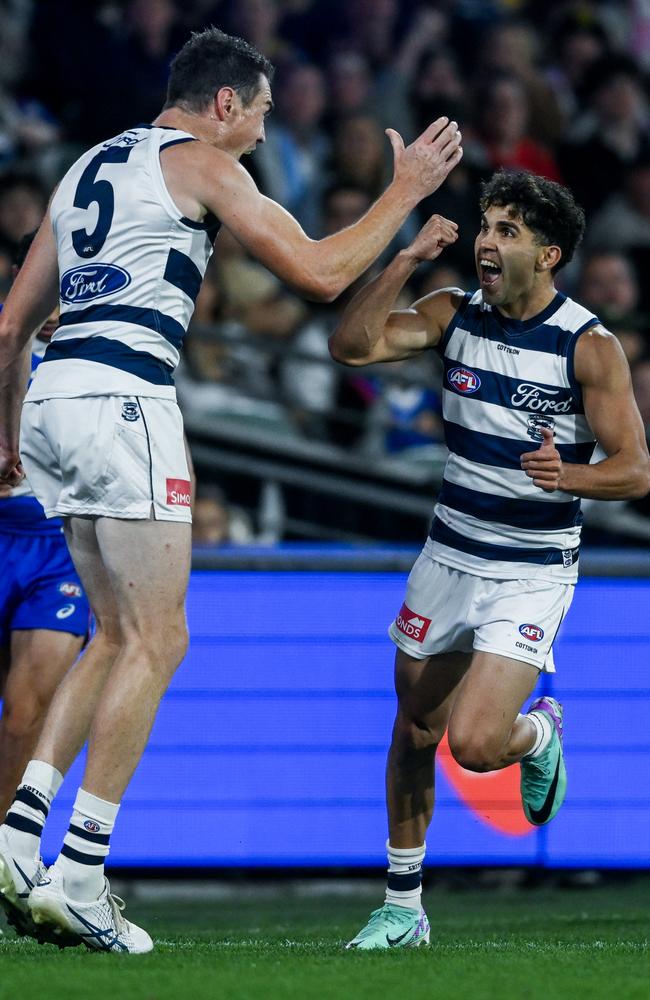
[558, 88]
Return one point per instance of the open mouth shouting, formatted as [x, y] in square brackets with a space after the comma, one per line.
[489, 272]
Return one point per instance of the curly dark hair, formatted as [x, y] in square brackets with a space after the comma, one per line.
[211, 60]
[547, 208]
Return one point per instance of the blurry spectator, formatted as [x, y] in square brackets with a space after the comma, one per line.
[623, 223]
[312, 387]
[290, 164]
[216, 522]
[258, 21]
[612, 135]
[22, 206]
[512, 47]
[576, 39]
[438, 89]
[360, 154]
[502, 138]
[608, 284]
[152, 35]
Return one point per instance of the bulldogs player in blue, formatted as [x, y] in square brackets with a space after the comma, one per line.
[124, 247]
[44, 613]
[531, 381]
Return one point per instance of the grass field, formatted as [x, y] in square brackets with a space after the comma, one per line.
[546, 943]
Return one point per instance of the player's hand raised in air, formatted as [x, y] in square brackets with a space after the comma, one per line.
[436, 234]
[421, 167]
[544, 466]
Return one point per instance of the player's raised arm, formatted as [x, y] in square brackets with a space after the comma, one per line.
[31, 299]
[372, 330]
[602, 371]
[322, 269]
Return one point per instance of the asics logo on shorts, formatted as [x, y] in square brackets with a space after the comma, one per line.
[413, 625]
[65, 611]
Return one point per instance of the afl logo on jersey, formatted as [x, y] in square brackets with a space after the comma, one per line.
[82, 284]
[463, 380]
[532, 632]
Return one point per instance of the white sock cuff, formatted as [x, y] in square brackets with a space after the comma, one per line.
[544, 732]
[405, 855]
[43, 776]
[99, 809]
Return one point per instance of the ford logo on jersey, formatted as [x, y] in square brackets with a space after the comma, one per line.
[463, 380]
[82, 284]
[532, 632]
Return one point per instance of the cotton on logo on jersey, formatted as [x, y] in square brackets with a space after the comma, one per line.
[179, 492]
[532, 632]
[463, 380]
[412, 625]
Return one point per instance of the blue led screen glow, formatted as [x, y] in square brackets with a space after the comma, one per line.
[269, 748]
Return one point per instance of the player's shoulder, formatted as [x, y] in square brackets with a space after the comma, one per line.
[443, 303]
[598, 354]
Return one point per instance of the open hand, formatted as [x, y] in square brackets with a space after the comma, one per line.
[544, 466]
[421, 167]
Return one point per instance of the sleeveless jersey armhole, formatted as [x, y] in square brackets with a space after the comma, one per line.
[453, 323]
[576, 388]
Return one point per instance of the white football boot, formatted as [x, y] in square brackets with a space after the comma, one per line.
[98, 924]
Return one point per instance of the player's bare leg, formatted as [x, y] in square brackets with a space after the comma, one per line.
[67, 730]
[486, 732]
[147, 564]
[40, 659]
[426, 690]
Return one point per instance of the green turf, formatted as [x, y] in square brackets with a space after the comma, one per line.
[550, 944]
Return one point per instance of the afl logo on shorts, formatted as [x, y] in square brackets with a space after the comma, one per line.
[532, 632]
[463, 380]
[82, 284]
[70, 589]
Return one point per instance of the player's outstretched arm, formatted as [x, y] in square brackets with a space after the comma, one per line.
[322, 269]
[31, 300]
[602, 370]
[372, 330]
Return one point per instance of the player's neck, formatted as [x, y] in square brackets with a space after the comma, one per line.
[199, 125]
[529, 304]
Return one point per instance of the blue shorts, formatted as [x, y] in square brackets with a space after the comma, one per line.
[39, 586]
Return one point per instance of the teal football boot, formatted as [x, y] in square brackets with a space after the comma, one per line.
[543, 778]
[393, 926]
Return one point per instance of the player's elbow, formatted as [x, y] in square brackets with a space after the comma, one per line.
[343, 353]
[640, 480]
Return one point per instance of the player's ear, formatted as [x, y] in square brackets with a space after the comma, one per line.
[223, 102]
[548, 258]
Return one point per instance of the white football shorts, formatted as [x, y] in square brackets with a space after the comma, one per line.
[447, 611]
[107, 456]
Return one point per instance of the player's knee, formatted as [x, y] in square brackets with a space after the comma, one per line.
[474, 751]
[23, 715]
[412, 735]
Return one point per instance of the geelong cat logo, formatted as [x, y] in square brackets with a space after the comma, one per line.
[94, 281]
[463, 380]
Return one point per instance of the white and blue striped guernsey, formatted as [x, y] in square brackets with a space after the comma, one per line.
[130, 267]
[504, 380]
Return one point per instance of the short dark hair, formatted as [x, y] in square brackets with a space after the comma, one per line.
[211, 60]
[548, 209]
